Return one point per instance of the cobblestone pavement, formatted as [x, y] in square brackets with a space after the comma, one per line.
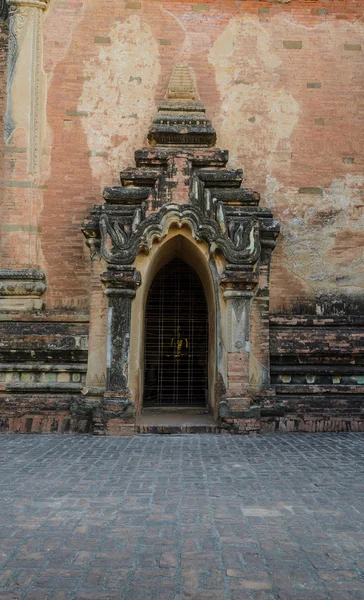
[188, 517]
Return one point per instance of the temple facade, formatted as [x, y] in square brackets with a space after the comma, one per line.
[181, 217]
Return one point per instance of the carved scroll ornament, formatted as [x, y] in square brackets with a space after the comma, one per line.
[121, 246]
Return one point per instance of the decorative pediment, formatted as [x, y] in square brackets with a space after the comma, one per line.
[236, 228]
[214, 205]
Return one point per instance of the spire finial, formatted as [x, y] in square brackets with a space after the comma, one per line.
[181, 84]
[181, 118]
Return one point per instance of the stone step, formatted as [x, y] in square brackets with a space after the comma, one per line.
[173, 422]
[176, 411]
[175, 429]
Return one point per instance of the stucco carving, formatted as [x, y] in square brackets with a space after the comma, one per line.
[42, 4]
[36, 93]
[238, 318]
[25, 15]
[120, 246]
[123, 227]
[18, 23]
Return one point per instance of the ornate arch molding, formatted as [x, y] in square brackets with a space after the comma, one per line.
[118, 245]
[182, 182]
[227, 218]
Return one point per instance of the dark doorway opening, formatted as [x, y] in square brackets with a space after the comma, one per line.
[176, 342]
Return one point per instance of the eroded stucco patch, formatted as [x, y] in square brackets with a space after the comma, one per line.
[64, 19]
[257, 115]
[281, 120]
[323, 240]
[119, 102]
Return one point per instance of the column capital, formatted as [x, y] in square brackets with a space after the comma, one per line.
[243, 294]
[121, 280]
[240, 277]
[42, 4]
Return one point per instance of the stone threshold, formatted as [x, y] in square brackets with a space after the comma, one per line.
[174, 421]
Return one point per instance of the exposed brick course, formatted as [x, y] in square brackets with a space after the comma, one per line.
[72, 186]
[3, 73]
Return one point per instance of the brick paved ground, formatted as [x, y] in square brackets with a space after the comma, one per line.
[212, 517]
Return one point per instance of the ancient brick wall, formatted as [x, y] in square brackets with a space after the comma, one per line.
[3, 72]
[283, 85]
[42, 371]
[317, 369]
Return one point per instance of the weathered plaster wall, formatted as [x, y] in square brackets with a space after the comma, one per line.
[3, 72]
[291, 114]
[283, 85]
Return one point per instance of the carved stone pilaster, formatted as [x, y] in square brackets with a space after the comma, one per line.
[22, 288]
[25, 56]
[238, 317]
[121, 283]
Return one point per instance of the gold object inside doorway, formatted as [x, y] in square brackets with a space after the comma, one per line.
[178, 343]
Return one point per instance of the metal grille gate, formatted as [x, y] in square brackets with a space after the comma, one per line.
[176, 345]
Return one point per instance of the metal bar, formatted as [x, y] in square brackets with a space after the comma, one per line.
[176, 347]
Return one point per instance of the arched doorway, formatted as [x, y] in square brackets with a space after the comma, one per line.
[176, 339]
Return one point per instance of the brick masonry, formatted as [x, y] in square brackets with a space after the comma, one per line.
[3, 73]
[293, 35]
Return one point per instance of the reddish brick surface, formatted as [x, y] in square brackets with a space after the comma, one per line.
[71, 33]
[77, 33]
[3, 72]
[300, 143]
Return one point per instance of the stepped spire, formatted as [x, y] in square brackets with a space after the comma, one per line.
[181, 119]
[181, 85]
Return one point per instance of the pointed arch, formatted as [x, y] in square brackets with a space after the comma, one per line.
[176, 339]
[179, 243]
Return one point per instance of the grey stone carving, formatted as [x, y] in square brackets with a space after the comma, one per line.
[233, 227]
[23, 282]
[21, 289]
